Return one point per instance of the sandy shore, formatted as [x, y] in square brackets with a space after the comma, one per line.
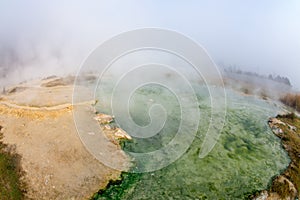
[37, 119]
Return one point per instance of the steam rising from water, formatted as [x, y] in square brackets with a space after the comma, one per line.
[143, 58]
[45, 38]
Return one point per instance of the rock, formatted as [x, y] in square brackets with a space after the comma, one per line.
[292, 128]
[271, 195]
[292, 192]
[277, 131]
[272, 121]
[262, 196]
[107, 127]
[121, 134]
[103, 118]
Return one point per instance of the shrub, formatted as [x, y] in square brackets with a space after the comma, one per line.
[292, 100]
[11, 187]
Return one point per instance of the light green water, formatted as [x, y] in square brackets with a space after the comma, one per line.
[245, 158]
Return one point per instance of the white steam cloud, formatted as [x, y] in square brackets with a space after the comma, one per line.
[39, 38]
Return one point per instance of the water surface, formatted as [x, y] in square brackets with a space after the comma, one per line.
[245, 158]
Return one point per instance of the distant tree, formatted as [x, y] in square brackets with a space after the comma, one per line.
[279, 79]
[270, 77]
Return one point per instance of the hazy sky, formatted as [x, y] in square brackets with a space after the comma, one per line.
[261, 36]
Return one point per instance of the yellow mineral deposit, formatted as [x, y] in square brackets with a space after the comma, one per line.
[37, 118]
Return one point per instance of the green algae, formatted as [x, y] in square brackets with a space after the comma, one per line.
[118, 189]
[243, 161]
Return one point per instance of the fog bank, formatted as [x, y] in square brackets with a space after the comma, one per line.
[44, 38]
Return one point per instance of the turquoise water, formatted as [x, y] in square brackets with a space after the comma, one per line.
[245, 158]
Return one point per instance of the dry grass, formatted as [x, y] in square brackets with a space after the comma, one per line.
[292, 100]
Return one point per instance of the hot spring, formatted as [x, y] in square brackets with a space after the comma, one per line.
[245, 158]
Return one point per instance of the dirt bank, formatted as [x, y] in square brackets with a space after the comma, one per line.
[38, 120]
[287, 185]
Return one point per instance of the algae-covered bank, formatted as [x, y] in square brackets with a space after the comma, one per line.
[287, 184]
[245, 159]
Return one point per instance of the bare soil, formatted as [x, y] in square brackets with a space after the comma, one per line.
[39, 122]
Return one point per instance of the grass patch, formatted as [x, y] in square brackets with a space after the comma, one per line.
[10, 173]
[117, 189]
